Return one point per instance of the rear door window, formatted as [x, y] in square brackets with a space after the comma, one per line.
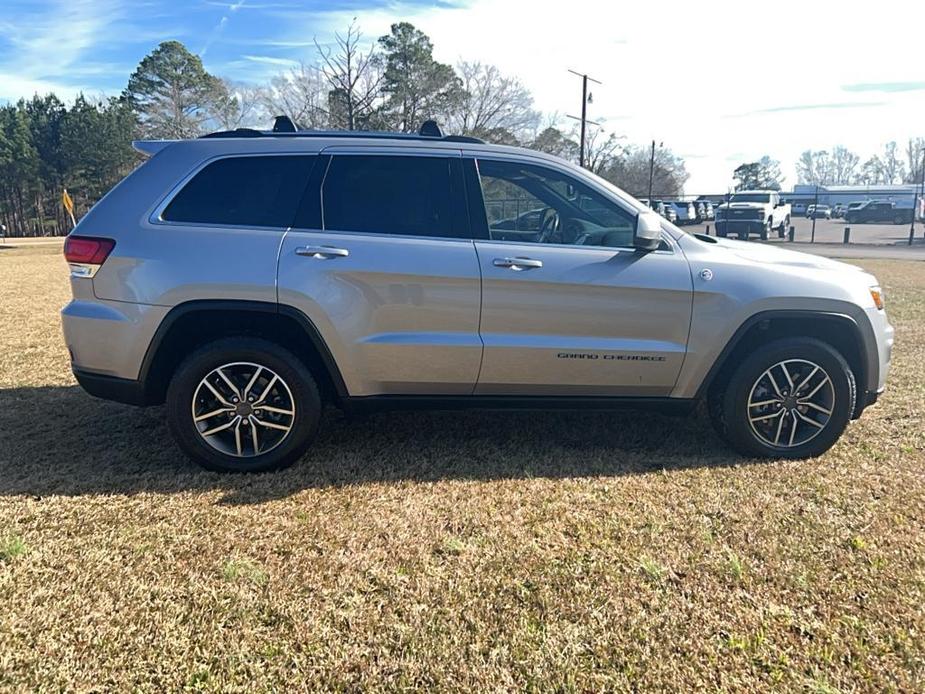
[252, 191]
[393, 194]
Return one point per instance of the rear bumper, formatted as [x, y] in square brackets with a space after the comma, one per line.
[123, 390]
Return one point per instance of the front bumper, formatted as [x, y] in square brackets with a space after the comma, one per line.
[734, 226]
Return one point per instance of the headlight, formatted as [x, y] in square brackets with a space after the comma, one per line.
[877, 295]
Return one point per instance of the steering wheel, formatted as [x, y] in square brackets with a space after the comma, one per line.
[549, 224]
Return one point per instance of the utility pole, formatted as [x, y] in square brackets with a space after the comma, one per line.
[915, 199]
[584, 112]
[652, 168]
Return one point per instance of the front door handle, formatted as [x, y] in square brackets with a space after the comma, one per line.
[322, 252]
[518, 264]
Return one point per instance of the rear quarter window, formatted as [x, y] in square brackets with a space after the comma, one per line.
[254, 191]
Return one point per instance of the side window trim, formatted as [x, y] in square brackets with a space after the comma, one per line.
[156, 215]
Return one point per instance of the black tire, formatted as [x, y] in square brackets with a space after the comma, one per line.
[286, 365]
[728, 402]
[766, 230]
[782, 229]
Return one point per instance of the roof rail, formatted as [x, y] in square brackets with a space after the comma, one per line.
[430, 131]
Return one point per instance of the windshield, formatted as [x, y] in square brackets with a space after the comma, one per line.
[751, 197]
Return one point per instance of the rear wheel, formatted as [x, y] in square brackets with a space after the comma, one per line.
[792, 398]
[766, 230]
[243, 405]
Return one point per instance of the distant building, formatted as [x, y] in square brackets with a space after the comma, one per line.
[902, 194]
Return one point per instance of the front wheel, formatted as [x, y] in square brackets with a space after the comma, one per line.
[782, 229]
[791, 398]
[766, 230]
[243, 405]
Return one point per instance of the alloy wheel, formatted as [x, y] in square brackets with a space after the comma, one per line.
[790, 403]
[243, 409]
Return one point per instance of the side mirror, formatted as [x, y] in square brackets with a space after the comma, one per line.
[648, 234]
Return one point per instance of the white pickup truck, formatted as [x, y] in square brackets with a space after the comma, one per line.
[753, 212]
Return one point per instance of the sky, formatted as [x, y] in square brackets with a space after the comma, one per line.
[718, 82]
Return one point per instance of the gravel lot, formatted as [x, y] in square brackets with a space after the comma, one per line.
[832, 231]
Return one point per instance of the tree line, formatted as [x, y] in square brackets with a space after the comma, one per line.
[393, 83]
[841, 166]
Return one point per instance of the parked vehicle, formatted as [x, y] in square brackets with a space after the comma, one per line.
[853, 206]
[753, 212]
[700, 213]
[669, 213]
[798, 209]
[249, 277]
[819, 212]
[838, 211]
[656, 205]
[686, 212]
[708, 212]
[878, 211]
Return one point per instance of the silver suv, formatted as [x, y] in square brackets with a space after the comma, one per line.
[249, 277]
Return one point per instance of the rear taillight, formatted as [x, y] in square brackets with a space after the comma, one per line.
[85, 254]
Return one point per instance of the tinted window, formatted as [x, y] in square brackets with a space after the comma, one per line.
[409, 195]
[531, 203]
[246, 191]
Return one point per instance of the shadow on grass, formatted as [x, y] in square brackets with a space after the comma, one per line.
[60, 441]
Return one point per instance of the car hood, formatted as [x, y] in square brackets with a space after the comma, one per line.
[773, 255]
[744, 205]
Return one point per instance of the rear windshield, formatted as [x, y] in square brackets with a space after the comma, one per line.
[259, 191]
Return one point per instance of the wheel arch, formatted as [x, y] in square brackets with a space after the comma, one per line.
[194, 323]
[839, 330]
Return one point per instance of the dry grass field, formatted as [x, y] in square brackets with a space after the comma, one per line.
[447, 551]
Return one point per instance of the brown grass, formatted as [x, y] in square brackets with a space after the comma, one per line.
[479, 551]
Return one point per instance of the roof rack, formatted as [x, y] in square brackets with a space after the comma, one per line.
[284, 127]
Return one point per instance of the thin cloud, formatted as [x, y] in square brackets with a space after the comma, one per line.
[268, 60]
[811, 107]
[887, 87]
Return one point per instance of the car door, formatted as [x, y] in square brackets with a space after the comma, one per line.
[381, 262]
[568, 306]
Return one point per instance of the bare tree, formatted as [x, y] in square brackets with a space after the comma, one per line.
[871, 172]
[843, 166]
[631, 172]
[244, 107]
[893, 170]
[353, 76]
[300, 94]
[600, 150]
[493, 106]
[813, 167]
[915, 152]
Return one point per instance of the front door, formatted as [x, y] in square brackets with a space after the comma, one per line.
[381, 263]
[568, 306]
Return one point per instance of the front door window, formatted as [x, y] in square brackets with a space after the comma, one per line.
[535, 204]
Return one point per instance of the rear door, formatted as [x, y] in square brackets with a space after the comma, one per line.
[568, 306]
[380, 260]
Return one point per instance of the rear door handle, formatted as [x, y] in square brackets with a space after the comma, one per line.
[322, 252]
[518, 264]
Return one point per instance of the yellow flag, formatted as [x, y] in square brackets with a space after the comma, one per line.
[68, 205]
